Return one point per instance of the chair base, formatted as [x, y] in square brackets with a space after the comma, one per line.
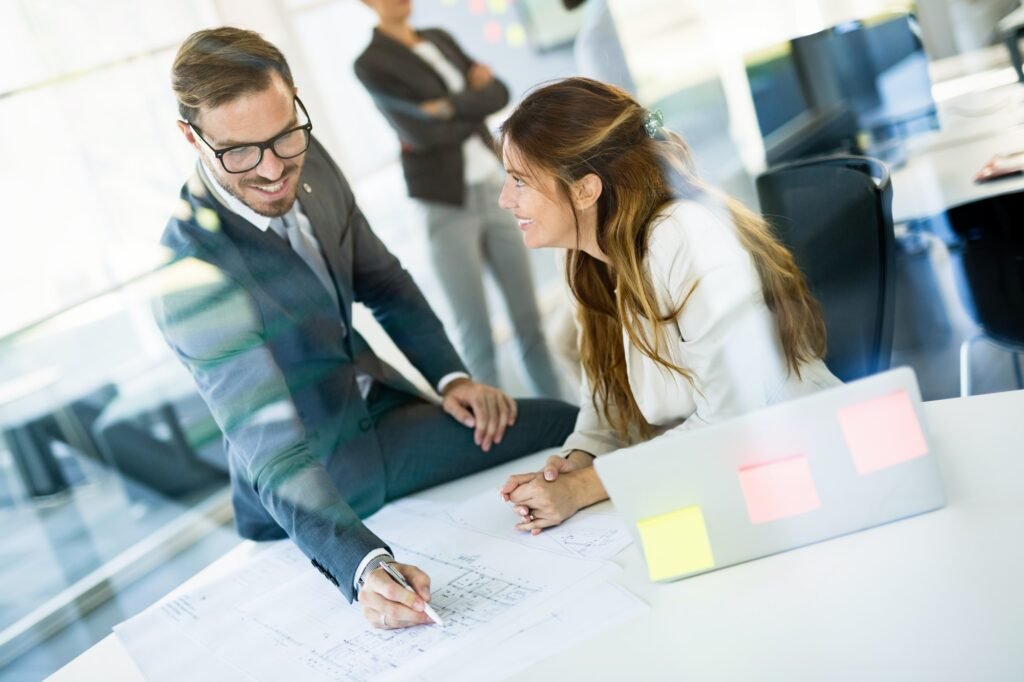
[965, 361]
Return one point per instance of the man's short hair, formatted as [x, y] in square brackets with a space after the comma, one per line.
[217, 65]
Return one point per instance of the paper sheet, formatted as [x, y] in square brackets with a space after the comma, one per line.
[589, 535]
[278, 619]
[592, 612]
[168, 655]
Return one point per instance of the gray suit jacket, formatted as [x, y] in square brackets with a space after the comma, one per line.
[275, 360]
[399, 81]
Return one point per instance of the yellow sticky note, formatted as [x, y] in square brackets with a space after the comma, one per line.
[676, 543]
[515, 35]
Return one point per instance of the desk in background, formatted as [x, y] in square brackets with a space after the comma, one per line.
[939, 168]
[936, 597]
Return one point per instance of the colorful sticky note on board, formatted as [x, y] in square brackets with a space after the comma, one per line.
[778, 489]
[492, 31]
[515, 35]
[477, 7]
[676, 543]
[882, 432]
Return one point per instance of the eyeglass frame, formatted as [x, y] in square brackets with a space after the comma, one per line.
[262, 146]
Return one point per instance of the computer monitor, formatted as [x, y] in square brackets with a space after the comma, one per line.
[858, 86]
[792, 123]
[881, 70]
[776, 87]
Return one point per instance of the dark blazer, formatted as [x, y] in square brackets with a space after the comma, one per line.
[275, 360]
[399, 81]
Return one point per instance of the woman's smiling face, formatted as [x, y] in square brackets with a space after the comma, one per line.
[533, 196]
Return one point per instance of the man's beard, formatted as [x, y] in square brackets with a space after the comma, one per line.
[274, 209]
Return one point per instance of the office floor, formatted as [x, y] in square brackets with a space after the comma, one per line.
[931, 322]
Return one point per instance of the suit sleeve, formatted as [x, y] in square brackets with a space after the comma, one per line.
[475, 104]
[381, 283]
[216, 330]
[414, 127]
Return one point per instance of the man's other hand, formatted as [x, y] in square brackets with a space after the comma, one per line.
[480, 407]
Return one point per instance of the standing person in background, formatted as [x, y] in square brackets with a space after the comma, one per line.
[436, 98]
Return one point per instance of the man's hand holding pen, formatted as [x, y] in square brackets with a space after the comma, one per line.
[388, 605]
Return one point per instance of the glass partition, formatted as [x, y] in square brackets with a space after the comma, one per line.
[110, 467]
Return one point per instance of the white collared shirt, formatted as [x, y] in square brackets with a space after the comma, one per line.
[480, 162]
[231, 202]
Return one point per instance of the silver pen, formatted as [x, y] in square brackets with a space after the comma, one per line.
[400, 579]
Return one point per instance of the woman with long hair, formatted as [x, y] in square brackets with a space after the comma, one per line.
[690, 310]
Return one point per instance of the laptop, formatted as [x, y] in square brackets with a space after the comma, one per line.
[834, 462]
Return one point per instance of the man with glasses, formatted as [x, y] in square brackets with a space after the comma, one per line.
[271, 253]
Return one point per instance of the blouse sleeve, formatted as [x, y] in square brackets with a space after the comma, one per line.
[729, 342]
[592, 433]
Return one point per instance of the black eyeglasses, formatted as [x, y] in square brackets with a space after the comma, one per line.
[244, 157]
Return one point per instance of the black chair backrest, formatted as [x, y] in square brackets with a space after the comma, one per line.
[991, 245]
[834, 213]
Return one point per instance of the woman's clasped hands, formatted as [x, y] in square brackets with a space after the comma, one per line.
[550, 496]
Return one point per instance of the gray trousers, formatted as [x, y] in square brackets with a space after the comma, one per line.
[463, 240]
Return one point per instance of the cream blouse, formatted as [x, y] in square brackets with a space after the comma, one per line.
[725, 336]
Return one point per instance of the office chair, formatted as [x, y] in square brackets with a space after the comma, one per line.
[162, 437]
[834, 213]
[31, 442]
[154, 449]
[991, 281]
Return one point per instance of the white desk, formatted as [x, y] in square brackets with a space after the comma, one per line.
[935, 597]
[942, 178]
[940, 168]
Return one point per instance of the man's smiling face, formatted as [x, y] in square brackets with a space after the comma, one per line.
[271, 187]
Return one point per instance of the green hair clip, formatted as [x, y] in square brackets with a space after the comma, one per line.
[653, 122]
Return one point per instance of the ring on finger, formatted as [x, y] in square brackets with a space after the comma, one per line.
[532, 517]
[383, 620]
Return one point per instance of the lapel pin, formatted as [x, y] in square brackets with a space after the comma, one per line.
[305, 186]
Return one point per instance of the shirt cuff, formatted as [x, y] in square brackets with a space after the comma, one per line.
[594, 445]
[373, 554]
[449, 378]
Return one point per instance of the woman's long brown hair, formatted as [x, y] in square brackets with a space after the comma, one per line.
[579, 126]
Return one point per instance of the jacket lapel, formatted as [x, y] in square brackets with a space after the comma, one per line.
[329, 233]
[412, 67]
[260, 257]
[447, 50]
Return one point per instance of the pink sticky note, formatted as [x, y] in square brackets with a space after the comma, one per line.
[492, 31]
[778, 489]
[477, 7]
[882, 432]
